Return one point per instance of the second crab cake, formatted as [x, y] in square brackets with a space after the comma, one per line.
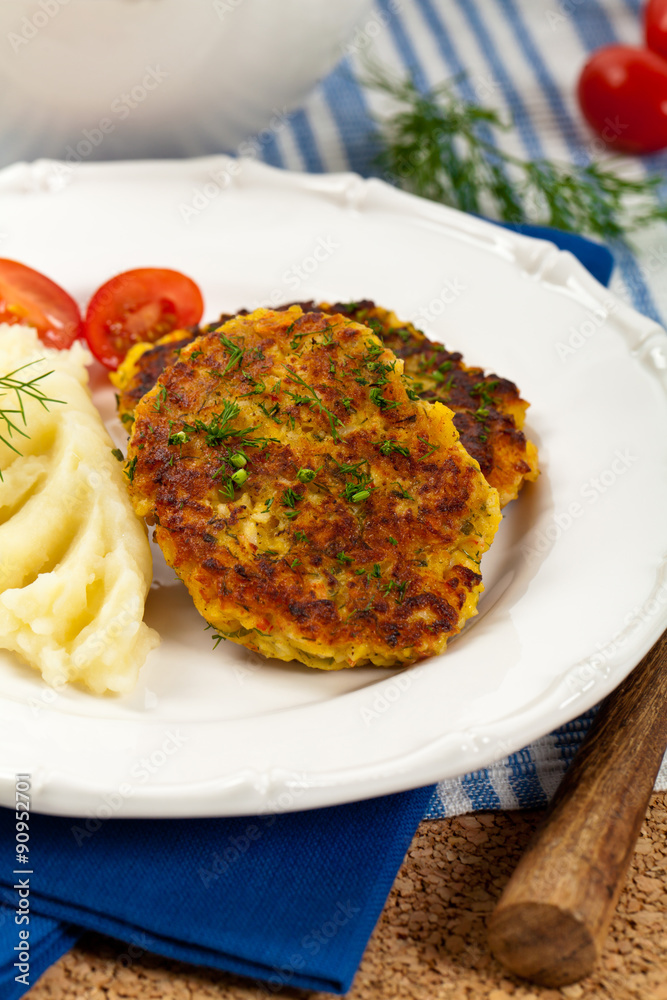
[314, 507]
[489, 412]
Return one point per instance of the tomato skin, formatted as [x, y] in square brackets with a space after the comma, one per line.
[655, 26]
[139, 305]
[28, 296]
[622, 92]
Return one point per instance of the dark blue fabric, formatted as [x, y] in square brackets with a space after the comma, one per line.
[287, 899]
[48, 940]
[290, 899]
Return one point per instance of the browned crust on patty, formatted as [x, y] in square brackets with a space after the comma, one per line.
[489, 409]
[375, 558]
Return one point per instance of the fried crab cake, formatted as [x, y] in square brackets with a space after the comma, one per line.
[313, 506]
[489, 411]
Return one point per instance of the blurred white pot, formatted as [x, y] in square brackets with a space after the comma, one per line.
[108, 79]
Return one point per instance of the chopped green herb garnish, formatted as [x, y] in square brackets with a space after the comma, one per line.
[271, 414]
[379, 400]
[235, 353]
[160, 398]
[387, 447]
[130, 468]
[402, 492]
[431, 449]
[117, 453]
[290, 498]
[315, 402]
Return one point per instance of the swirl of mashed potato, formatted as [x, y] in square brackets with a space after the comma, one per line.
[75, 563]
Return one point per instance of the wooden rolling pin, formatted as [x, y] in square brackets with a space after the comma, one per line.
[551, 922]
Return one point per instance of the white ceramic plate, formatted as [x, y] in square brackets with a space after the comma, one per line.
[575, 583]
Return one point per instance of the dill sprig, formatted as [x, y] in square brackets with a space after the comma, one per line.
[442, 148]
[13, 418]
[313, 400]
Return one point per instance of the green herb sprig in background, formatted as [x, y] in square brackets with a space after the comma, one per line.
[439, 147]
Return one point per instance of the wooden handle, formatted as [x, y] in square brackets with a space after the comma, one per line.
[552, 919]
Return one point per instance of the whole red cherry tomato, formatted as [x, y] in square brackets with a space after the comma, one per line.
[655, 26]
[623, 95]
[138, 305]
[27, 296]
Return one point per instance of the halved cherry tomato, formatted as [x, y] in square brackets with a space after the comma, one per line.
[623, 94]
[139, 305]
[26, 296]
[655, 26]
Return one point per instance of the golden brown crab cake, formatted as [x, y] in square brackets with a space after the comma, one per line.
[141, 367]
[490, 413]
[314, 510]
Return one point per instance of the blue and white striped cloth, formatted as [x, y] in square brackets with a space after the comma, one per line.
[522, 57]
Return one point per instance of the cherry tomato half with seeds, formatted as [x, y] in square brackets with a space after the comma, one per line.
[29, 297]
[139, 305]
[623, 94]
[655, 26]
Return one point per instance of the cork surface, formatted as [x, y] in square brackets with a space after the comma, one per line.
[430, 940]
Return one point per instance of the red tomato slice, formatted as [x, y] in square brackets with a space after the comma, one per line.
[26, 296]
[139, 305]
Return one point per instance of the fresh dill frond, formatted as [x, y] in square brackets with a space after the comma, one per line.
[440, 147]
[314, 401]
[14, 418]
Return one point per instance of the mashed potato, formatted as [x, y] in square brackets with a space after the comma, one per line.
[75, 563]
